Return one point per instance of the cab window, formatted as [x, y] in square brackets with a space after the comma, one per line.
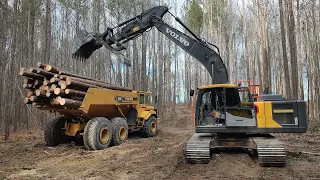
[148, 99]
[141, 99]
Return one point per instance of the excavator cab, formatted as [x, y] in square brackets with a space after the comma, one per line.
[224, 106]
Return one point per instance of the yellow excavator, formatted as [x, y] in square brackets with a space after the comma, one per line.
[225, 114]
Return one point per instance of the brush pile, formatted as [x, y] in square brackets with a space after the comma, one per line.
[49, 87]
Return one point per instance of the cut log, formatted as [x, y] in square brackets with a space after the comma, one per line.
[45, 73]
[51, 68]
[33, 70]
[31, 75]
[95, 83]
[54, 80]
[46, 88]
[41, 65]
[39, 99]
[59, 91]
[32, 98]
[75, 92]
[70, 102]
[53, 86]
[40, 93]
[27, 101]
[78, 76]
[46, 82]
[38, 103]
[76, 98]
[63, 84]
[29, 93]
[42, 87]
[37, 83]
[50, 107]
[29, 86]
[80, 85]
[28, 81]
[55, 101]
[48, 94]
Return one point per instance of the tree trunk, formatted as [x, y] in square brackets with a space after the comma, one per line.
[264, 40]
[293, 52]
[47, 47]
[284, 53]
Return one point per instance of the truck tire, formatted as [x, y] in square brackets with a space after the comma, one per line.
[54, 134]
[119, 130]
[150, 127]
[97, 134]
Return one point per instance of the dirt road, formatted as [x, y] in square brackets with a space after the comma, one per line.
[161, 157]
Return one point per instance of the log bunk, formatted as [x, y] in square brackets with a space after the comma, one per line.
[50, 88]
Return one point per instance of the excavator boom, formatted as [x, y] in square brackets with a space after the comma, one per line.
[115, 38]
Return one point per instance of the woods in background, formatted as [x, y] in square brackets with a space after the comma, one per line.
[273, 43]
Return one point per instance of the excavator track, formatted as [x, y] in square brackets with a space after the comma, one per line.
[198, 149]
[271, 152]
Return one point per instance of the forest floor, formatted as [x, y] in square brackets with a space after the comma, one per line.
[25, 156]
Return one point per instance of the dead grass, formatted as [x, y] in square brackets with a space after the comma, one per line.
[24, 136]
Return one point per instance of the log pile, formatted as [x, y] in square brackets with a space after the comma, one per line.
[49, 87]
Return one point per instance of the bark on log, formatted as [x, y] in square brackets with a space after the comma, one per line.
[27, 101]
[31, 75]
[95, 83]
[28, 81]
[40, 93]
[43, 87]
[45, 73]
[75, 92]
[46, 82]
[59, 91]
[38, 103]
[29, 93]
[37, 83]
[51, 68]
[41, 65]
[70, 102]
[54, 80]
[80, 85]
[32, 70]
[39, 99]
[62, 73]
[63, 84]
[55, 101]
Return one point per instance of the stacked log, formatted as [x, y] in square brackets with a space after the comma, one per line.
[50, 87]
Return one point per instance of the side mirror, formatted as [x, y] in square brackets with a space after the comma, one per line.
[191, 92]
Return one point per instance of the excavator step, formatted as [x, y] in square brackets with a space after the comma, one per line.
[271, 152]
[198, 149]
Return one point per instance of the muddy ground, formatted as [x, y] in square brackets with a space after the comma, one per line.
[25, 156]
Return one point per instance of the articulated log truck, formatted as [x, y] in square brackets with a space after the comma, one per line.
[92, 112]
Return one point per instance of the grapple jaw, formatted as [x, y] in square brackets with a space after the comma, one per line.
[85, 44]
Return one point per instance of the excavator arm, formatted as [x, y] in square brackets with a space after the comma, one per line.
[115, 38]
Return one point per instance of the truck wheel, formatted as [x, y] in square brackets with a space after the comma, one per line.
[119, 129]
[150, 127]
[97, 134]
[54, 133]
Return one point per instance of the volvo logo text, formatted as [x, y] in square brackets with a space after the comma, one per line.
[177, 37]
